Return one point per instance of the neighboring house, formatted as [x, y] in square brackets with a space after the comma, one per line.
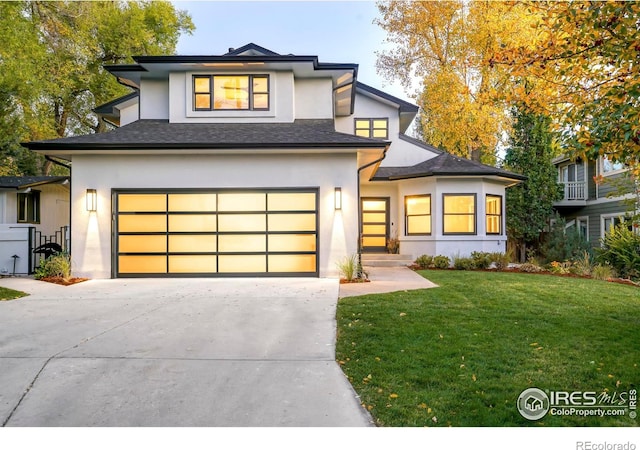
[591, 201]
[33, 211]
[254, 163]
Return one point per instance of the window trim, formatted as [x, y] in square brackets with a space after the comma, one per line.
[371, 128]
[251, 92]
[624, 216]
[500, 215]
[583, 219]
[32, 206]
[611, 172]
[406, 215]
[475, 214]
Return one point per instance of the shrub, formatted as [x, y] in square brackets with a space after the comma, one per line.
[58, 265]
[460, 263]
[348, 267]
[530, 268]
[482, 260]
[441, 262]
[621, 250]
[583, 264]
[602, 272]
[501, 260]
[560, 267]
[424, 261]
[562, 244]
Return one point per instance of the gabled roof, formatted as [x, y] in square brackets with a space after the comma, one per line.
[407, 110]
[160, 134]
[251, 49]
[30, 181]
[445, 164]
[245, 57]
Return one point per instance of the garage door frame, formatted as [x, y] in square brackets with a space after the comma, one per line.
[115, 273]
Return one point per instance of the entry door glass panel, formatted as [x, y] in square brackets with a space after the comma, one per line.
[375, 224]
[216, 232]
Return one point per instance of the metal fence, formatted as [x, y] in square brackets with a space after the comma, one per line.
[42, 246]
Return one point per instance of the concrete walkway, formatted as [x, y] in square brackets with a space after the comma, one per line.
[386, 279]
[174, 352]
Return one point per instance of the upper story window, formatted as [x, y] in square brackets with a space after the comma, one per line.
[609, 167]
[372, 128]
[231, 92]
[29, 207]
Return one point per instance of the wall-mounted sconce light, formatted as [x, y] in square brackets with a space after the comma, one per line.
[338, 198]
[92, 200]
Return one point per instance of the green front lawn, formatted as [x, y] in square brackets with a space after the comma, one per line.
[461, 354]
[10, 294]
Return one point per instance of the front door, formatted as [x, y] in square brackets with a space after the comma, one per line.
[375, 224]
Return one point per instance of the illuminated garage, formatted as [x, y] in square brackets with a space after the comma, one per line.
[209, 232]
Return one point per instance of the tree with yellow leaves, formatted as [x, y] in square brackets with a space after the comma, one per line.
[447, 46]
[583, 69]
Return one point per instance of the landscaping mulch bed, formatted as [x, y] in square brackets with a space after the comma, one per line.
[63, 281]
[356, 280]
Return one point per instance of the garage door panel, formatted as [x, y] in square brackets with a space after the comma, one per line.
[242, 263]
[242, 222]
[192, 223]
[192, 264]
[142, 264]
[216, 231]
[192, 202]
[292, 222]
[242, 243]
[192, 243]
[292, 242]
[292, 263]
[143, 243]
[142, 223]
[142, 202]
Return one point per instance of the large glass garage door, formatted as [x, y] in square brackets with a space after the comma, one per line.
[216, 233]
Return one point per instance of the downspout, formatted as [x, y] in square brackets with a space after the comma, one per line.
[359, 247]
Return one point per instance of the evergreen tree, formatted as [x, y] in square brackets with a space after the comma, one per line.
[530, 203]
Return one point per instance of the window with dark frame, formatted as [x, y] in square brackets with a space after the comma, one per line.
[459, 213]
[231, 92]
[29, 207]
[417, 214]
[493, 210]
[372, 128]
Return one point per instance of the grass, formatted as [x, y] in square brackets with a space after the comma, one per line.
[10, 294]
[461, 354]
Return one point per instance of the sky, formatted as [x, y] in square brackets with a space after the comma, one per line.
[335, 31]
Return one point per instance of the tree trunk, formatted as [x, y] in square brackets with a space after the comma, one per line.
[523, 252]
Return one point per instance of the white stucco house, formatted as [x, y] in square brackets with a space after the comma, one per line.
[254, 163]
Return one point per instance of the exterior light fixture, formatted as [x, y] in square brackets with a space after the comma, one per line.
[92, 200]
[338, 199]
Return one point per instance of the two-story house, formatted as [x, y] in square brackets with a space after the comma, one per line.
[253, 163]
[592, 201]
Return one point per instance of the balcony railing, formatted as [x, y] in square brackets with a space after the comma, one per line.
[575, 190]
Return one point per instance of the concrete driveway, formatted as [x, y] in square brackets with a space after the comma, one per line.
[174, 352]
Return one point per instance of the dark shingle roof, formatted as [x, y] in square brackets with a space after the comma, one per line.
[160, 134]
[404, 106]
[443, 164]
[25, 182]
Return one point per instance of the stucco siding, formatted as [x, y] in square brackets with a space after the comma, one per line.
[92, 233]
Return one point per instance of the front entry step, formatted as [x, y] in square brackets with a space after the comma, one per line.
[385, 260]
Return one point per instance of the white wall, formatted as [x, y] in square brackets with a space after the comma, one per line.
[131, 114]
[438, 243]
[154, 100]
[54, 208]
[14, 240]
[91, 238]
[313, 98]
[368, 108]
